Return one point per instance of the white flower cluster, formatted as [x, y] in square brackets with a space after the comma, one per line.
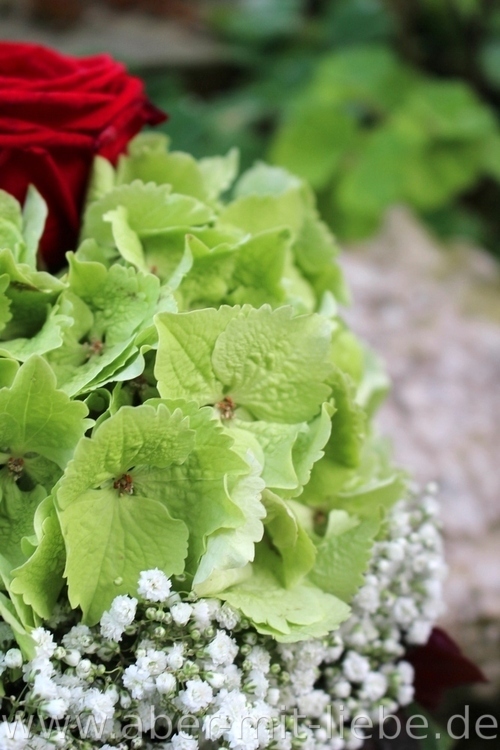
[189, 672]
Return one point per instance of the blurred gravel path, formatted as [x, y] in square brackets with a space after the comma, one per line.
[434, 314]
[135, 38]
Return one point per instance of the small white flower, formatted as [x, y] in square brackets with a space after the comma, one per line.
[303, 680]
[154, 585]
[84, 668]
[72, 658]
[260, 659]
[202, 614]
[406, 672]
[368, 598]
[419, 632]
[197, 695]
[405, 610]
[355, 667]
[227, 617]
[14, 735]
[175, 657]
[138, 681]
[313, 704]
[166, 683]
[13, 659]
[56, 708]
[273, 696]
[405, 695]
[123, 609]
[79, 638]
[354, 743]
[257, 683]
[374, 686]
[184, 741]
[181, 613]
[111, 629]
[44, 688]
[222, 649]
[154, 662]
[101, 705]
[44, 641]
[342, 689]
[216, 679]
[232, 704]
[242, 736]
[232, 677]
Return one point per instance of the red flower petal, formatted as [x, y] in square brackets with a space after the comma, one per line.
[439, 666]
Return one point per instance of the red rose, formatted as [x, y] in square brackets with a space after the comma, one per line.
[57, 113]
[439, 666]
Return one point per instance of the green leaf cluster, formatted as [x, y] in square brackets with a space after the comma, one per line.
[185, 396]
[368, 131]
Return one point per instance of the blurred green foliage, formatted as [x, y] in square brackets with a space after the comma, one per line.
[369, 132]
[374, 101]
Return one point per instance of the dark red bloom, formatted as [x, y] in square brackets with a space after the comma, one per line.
[439, 666]
[56, 114]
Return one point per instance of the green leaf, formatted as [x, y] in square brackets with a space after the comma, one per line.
[369, 75]
[290, 540]
[449, 110]
[8, 370]
[375, 383]
[112, 519]
[270, 197]
[348, 423]
[120, 299]
[259, 269]
[272, 445]
[148, 160]
[151, 209]
[17, 510]
[49, 337]
[199, 491]
[35, 214]
[274, 364]
[209, 281]
[39, 580]
[184, 361]
[5, 314]
[102, 179]
[310, 444]
[288, 615]
[219, 172]
[344, 553]
[362, 491]
[228, 550]
[31, 294]
[10, 210]
[312, 142]
[24, 640]
[108, 308]
[126, 240]
[267, 361]
[259, 213]
[37, 418]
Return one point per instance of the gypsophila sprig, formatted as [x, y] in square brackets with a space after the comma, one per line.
[215, 678]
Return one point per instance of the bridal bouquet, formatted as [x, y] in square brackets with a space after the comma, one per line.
[203, 542]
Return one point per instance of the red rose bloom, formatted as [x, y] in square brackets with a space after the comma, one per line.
[57, 113]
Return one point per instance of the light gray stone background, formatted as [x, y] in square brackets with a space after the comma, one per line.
[433, 313]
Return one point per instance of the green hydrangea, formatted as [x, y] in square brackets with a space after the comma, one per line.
[185, 396]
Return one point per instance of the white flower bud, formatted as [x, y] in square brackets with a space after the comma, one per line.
[13, 659]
